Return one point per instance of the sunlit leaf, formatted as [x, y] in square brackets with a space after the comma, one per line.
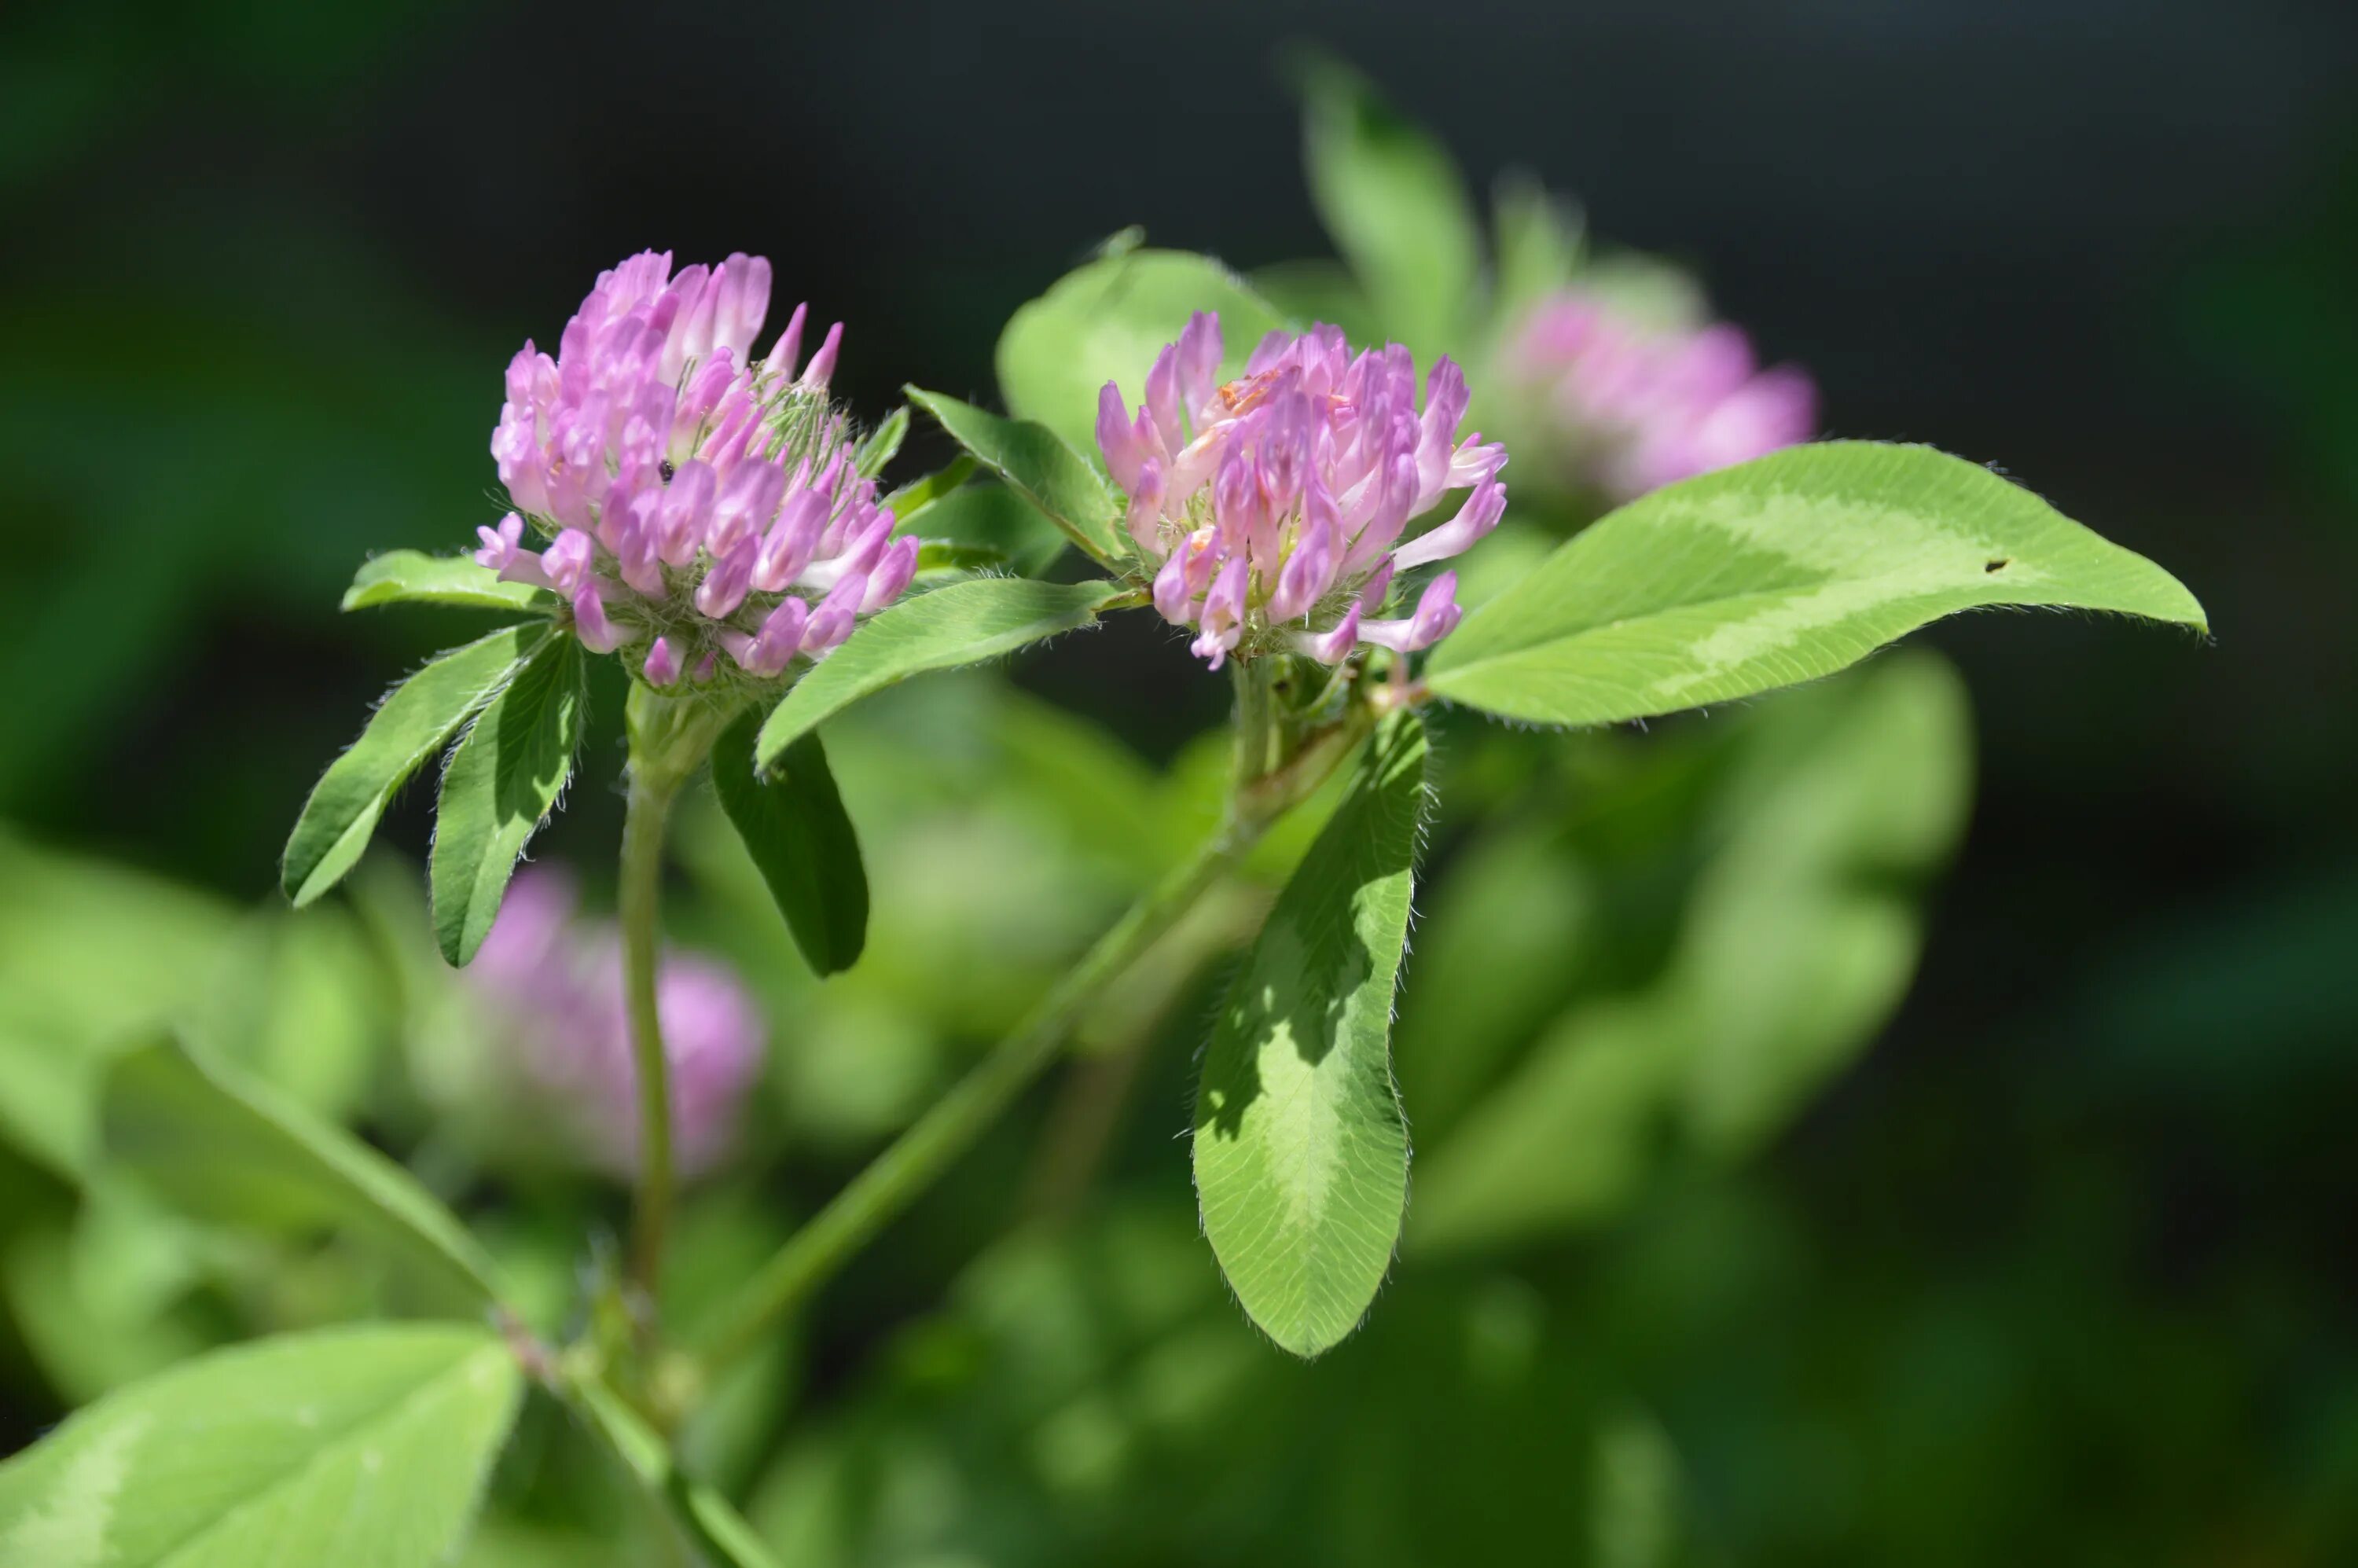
[1038, 465]
[995, 518]
[361, 1447]
[1301, 1152]
[964, 624]
[413, 577]
[504, 779]
[1105, 321]
[1777, 571]
[413, 723]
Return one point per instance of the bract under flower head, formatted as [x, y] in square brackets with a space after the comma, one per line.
[1628, 408]
[555, 984]
[701, 507]
[1276, 508]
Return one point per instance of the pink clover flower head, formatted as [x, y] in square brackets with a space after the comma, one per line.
[1628, 407]
[554, 983]
[682, 491]
[1273, 510]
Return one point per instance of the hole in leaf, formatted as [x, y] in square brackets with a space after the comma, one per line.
[1998, 565]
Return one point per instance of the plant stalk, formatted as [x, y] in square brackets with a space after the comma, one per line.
[875, 1196]
[1255, 739]
[640, 906]
[894, 1179]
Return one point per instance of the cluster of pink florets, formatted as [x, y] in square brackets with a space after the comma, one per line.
[1273, 507]
[697, 503]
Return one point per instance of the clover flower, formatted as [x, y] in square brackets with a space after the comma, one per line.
[1632, 407]
[1273, 507]
[555, 982]
[695, 502]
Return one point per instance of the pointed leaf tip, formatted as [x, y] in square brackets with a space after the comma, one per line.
[1777, 571]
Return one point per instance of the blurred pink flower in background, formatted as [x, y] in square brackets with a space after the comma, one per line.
[1633, 407]
[555, 982]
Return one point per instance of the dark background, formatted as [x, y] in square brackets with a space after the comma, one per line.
[262, 265]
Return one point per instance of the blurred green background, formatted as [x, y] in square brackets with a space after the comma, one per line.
[1737, 1234]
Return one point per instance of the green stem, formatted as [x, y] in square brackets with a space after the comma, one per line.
[1253, 737]
[639, 905]
[813, 1254]
[700, 1516]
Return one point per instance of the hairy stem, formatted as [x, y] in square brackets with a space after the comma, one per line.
[640, 901]
[1254, 738]
[813, 1254]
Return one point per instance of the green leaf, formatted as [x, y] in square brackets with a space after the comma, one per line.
[1107, 322]
[883, 443]
[408, 727]
[791, 819]
[1327, 291]
[701, 1513]
[919, 493]
[89, 1323]
[994, 518]
[503, 778]
[938, 564]
[360, 1447]
[1495, 934]
[964, 624]
[1300, 1153]
[1538, 246]
[1635, 1494]
[1396, 206]
[1033, 459]
[413, 577]
[1776, 571]
[1834, 807]
[216, 1144]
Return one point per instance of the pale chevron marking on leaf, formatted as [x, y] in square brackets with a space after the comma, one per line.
[70, 1530]
[261, 1453]
[1301, 1149]
[1777, 571]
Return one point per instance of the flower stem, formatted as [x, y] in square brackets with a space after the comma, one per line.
[1253, 737]
[640, 901]
[813, 1254]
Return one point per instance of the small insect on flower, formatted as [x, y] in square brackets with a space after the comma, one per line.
[701, 509]
[1275, 508]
